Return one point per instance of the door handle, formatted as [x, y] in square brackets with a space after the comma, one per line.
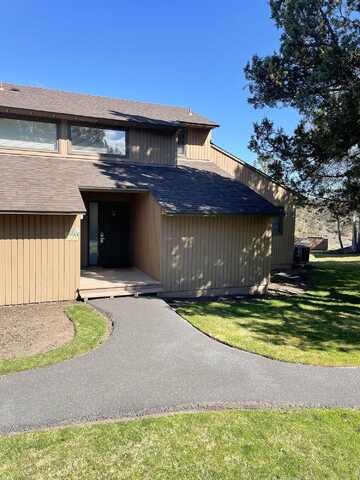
[102, 237]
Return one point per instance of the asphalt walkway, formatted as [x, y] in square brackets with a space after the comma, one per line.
[155, 362]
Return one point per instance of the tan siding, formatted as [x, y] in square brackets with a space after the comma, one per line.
[205, 255]
[282, 245]
[198, 144]
[38, 262]
[149, 146]
[146, 235]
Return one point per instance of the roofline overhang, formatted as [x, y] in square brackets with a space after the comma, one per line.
[224, 214]
[114, 190]
[40, 212]
[155, 124]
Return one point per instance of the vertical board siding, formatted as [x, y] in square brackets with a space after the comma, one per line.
[201, 254]
[38, 263]
[282, 245]
[151, 146]
[198, 144]
[146, 219]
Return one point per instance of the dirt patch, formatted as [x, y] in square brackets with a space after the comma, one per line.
[30, 329]
[292, 282]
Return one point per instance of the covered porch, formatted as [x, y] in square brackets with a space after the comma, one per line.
[120, 244]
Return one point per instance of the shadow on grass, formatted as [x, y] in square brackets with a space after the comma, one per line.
[325, 318]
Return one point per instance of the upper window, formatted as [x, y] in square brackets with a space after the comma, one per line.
[98, 140]
[278, 225]
[28, 134]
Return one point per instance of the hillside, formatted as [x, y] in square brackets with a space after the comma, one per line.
[312, 222]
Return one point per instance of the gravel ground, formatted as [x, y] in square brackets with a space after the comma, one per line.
[31, 329]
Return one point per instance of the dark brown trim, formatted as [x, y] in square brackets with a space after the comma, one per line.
[112, 190]
[32, 118]
[103, 127]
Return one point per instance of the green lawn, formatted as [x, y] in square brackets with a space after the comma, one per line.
[250, 444]
[320, 327]
[90, 329]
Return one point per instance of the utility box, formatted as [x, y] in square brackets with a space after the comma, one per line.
[301, 254]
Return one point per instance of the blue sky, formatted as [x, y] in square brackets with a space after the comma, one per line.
[188, 53]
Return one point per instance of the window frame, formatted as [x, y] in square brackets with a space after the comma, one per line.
[84, 153]
[33, 118]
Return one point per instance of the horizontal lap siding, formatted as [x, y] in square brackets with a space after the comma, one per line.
[37, 261]
[204, 253]
[282, 245]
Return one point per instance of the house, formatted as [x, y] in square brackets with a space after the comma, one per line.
[104, 197]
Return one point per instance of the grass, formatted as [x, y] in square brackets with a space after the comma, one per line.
[90, 329]
[250, 444]
[319, 327]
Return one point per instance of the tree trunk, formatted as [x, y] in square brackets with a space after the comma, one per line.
[356, 234]
[339, 232]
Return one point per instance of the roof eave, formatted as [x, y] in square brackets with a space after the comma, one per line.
[152, 123]
[42, 212]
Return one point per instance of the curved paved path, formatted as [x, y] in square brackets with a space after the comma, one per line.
[154, 362]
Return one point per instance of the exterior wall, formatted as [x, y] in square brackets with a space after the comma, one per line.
[40, 258]
[215, 255]
[146, 235]
[148, 146]
[154, 146]
[282, 245]
[198, 144]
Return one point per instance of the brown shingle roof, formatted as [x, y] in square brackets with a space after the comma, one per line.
[30, 184]
[78, 104]
[40, 184]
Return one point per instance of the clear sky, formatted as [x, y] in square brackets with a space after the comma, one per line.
[187, 53]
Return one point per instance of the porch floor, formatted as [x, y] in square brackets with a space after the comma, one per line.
[98, 282]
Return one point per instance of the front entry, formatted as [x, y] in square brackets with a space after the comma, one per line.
[110, 222]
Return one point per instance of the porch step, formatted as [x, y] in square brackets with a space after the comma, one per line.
[97, 282]
[125, 290]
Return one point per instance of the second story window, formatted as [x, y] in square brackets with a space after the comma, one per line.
[98, 140]
[28, 134]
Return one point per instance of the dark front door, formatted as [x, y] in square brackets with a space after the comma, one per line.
[113, 234]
